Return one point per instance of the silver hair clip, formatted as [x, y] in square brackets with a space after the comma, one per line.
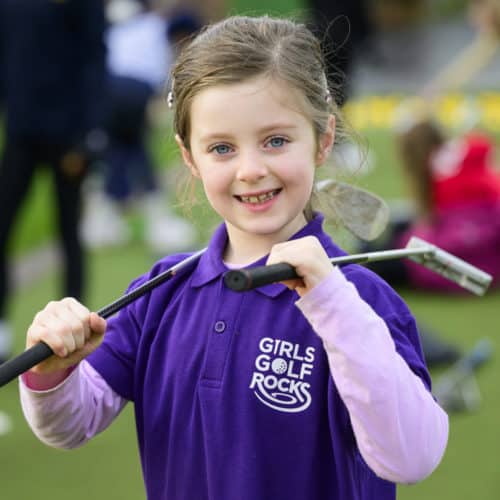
[170, 99]
[328, 96]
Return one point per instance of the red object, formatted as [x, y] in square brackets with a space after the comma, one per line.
[466, 211]
[462, 172]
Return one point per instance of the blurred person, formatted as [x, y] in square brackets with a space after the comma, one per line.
[139, 56]
[309, 371]
[455, 186]
[52, 58]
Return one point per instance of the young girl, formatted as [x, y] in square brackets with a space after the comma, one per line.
[315, 388]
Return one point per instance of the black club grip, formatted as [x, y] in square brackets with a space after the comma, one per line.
[247, 279]
[26, 360]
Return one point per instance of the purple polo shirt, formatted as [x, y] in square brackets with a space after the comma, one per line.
[232, 391]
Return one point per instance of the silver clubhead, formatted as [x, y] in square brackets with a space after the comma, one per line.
[363, 213]
[464, 274]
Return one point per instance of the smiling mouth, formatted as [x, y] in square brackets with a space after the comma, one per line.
[260, 198]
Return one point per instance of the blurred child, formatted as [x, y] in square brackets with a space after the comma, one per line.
[140, 52]
[312, 388]
[457, 190]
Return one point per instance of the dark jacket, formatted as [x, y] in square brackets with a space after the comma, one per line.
[52, 68]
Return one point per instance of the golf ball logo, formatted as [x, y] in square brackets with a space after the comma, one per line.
[281, 372]
[279, 366]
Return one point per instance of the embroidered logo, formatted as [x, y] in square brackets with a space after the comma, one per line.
[281, 372]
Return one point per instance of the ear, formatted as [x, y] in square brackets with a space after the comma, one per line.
[187, 158]
[325, 143]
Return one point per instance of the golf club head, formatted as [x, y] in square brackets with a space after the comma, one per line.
[363, 213]
[457, 270]
[457, 389]
[458, 396]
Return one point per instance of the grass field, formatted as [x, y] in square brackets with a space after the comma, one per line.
[108, 467]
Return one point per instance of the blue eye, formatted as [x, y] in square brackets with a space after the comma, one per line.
[277, 142]
[221, 149]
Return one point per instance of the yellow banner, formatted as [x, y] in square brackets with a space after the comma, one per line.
[455, 111]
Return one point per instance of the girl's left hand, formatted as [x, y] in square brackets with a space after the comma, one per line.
[309, 259]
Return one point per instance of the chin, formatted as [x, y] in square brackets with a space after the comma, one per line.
[270, 228]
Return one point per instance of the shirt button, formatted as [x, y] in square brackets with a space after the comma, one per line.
[220, 326]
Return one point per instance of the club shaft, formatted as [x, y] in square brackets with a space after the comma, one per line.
[41, 351]
[254, 277]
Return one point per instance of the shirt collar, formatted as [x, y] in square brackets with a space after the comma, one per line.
[211, 265]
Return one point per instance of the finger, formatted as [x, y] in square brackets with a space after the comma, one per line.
[293, 284]
[81, 312]
[38, 333]
[57, 327]
[72, 323]
[294, 252]
[58, 320]
[97, 324]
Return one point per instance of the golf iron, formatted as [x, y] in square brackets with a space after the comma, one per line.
[434, 258]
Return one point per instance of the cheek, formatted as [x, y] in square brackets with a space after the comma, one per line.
[215, 182]
[302, 171]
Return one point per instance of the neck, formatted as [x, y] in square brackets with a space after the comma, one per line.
[244, 248]
[242, 255]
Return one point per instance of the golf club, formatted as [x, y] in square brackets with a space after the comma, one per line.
[447, 265]
[39, 352]
[361, 212]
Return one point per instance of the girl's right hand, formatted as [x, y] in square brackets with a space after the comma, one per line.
[70, 330]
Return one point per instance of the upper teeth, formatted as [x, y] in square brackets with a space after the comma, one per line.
[259, 198]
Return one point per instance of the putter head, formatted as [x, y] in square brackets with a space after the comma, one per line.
[457, 389]
[363, 213]
[457, 270]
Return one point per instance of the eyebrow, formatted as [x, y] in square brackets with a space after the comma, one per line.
[211, 136]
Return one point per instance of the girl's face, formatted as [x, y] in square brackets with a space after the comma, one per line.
[256, 155]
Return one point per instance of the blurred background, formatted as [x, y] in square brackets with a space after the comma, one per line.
[405, 61]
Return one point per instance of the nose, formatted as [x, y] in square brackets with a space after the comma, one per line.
[251, 167]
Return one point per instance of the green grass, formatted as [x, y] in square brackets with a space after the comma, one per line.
[274, 7]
